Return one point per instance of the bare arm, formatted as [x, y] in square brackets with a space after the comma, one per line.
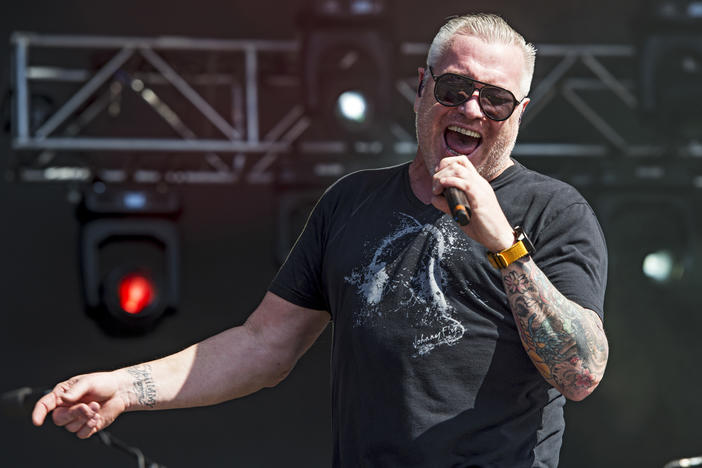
[238, 361]
[234, 363]
[566, 342]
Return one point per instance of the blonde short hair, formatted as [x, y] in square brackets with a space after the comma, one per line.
[491, 28]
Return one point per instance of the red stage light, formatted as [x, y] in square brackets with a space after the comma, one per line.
[136, 292]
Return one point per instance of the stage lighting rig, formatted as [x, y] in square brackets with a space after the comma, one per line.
[663, 254]
[129, 257]
[346, 67]
[670, 61]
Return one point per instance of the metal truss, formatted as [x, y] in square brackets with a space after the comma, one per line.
[620, 92]
[61, 132]
[583, 105]
[570, 77]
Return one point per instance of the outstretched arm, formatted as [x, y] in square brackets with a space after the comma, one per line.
[566, 342]
[234, 363]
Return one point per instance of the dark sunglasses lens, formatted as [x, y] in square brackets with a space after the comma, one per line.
[498, 104]
[452, 90]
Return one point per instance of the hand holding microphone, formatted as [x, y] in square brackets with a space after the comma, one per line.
[472, 203]
[458, 204]
[456, 199]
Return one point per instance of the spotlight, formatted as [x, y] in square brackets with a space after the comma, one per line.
[652, 241]
[662, 266]
[346, 68]
[352, 107]
[136, 292]
[132, 299]
[129, 258]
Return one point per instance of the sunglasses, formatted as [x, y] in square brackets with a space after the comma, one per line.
[452, 90]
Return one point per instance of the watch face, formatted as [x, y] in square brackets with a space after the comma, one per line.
[521, 236]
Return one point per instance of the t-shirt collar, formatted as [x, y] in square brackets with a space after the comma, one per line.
[507, 175]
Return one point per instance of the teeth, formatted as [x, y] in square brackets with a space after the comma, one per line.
[464, 131]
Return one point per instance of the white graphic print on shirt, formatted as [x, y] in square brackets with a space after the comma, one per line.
[409, 270]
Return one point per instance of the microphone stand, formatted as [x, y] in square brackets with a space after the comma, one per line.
[142, 461]
[21, 401]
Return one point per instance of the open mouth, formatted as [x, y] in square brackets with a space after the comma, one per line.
[461, 140]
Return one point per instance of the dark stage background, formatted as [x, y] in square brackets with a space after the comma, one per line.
[645, 413]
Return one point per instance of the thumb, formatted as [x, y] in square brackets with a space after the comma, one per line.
[63, 394]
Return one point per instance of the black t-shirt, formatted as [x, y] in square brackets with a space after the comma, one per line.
[427, 365]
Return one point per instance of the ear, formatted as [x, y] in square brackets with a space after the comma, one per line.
[420, 86]
[522, 108]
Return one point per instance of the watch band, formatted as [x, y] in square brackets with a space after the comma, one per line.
[521, 247]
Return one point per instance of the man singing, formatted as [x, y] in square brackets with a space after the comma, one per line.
[453, 345]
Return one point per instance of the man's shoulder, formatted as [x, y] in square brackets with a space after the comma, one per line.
[527, 181]
[371, 175]
[356, 188]
[531, 198]
[365, 179]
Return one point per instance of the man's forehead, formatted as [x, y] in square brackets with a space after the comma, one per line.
[492, 62]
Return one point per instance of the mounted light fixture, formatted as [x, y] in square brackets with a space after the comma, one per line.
[129, 257]
[346, 66]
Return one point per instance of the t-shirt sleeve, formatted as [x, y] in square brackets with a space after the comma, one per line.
[571, 251]
[299, 280]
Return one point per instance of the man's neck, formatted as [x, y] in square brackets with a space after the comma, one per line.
[421, 179]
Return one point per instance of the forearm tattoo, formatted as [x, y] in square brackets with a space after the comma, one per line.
[144, 385]
[565, 342]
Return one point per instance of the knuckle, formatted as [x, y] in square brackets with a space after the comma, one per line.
[58, 389]
[84, 410]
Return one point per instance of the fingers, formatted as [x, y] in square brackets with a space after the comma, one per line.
[82, 405]
[63, 394]
[44, 406]
[87, 430]
[81, 412]
[82, 419]
[455, 160]
[49, 402]
[453, 177]
[456, 171]
[451, 172]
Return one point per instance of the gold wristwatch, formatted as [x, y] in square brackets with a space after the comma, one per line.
[522, 246]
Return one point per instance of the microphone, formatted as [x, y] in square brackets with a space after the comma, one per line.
[20, 401]
[458, 203]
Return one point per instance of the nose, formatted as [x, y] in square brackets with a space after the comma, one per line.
[471, 108]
